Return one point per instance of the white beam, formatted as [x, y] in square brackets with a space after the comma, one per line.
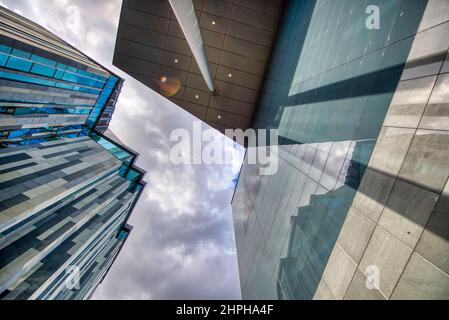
[185, 13]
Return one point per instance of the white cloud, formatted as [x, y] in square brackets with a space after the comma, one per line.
[73, 21]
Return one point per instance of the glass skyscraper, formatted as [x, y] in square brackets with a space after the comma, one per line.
[358, 91]
[67, 183]
[359, 203]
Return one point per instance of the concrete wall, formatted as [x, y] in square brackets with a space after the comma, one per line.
[399, 220]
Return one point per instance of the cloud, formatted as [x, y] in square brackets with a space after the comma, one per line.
[182, 245]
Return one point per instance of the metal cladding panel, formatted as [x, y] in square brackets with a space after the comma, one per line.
[238, 37]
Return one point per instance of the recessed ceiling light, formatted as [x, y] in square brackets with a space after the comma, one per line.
[164, 79]
[213, 22]
[197, 96]
[230, 75]
[176, 60]
[219, 117]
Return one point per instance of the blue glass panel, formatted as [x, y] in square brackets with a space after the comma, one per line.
[5, 49]
[64, 86]
[101, 101]
[43, 60]
[61, 66]
[19, 64]
[3, 59]
[43, 70]
[24, 78]
[72, 69]
[122, 235]
[59, 74]
[20, 53]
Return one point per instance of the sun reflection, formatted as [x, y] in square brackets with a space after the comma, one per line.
[169, 86]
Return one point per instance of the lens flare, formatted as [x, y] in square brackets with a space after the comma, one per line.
[169, 86]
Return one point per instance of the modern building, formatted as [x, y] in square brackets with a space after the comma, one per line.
[358, 91]
[67, 184]
[237, 38]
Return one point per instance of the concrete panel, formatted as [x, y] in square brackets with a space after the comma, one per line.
[172, 73]
[174, 29]
[178, 45]
[213, 54]
[133, 65]
[217, 7]
[428, 53]
[144, 20]
[197, 110]
[250, 33]
[339, 271]
[196, 96]
[358, 289]
[436, 13]
[409, 102]
[246, 48]
[140, 51]
[254, 18]
[269, 7]
[355, 234]
[231, 105]
[434, 243]
[427, 159]
[236, 92]
[160, 8]
[196, 81]
[407, 211]
[227, 119]
[245, 64]
[436, 115]
[422, 280]
[445, 68]
[373, 194]
[391, 149]
[196, 70]
[213, 23]
[140, 35]
[323, 292]
[212, 39]
[176, 60]
[389, 255]
[239, 78]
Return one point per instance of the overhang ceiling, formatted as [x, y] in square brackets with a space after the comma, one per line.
[238, 38]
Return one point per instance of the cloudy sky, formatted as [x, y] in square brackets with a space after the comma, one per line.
[182, 245]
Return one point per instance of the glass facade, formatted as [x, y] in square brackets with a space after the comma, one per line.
[47, 97]
[328, 88]
[66, 187]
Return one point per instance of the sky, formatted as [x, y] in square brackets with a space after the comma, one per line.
[182, 245]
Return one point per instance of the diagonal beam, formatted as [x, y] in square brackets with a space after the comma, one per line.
[185, 13]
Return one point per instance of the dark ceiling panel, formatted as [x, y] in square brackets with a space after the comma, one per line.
[218, 8]
[160, 8]
[238, 36]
